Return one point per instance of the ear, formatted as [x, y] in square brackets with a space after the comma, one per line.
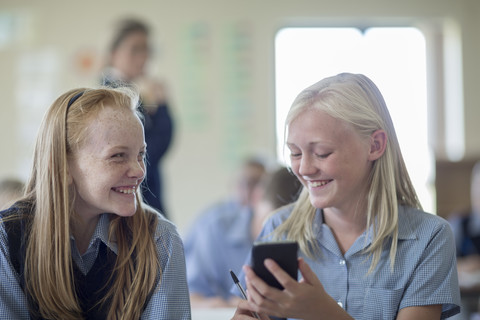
[378, 144]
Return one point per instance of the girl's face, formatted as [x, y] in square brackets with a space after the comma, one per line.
[330, 159]
[108, 167]
[131, 55]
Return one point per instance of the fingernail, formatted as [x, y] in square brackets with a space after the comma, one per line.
[268, 262]
[246, 270]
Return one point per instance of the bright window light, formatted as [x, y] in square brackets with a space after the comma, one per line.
[394, 58]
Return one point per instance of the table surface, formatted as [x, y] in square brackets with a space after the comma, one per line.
[212, 314]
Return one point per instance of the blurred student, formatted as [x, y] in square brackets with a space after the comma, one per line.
[466, 229]
[130, 51]
[81, 244]
[277, 189]
[466, 225]
[226, 218]
[10, 190]
[366, 248]
[221, 239]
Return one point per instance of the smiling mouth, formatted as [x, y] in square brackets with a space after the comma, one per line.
[315, 184]
[129, 190]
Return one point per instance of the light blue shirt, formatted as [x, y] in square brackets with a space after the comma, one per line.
[169, 301]
[218, 241]
[424, 274]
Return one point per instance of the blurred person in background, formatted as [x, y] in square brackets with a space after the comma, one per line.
[223, 235]
[129, 53]
[10, 190]
[466, 229]
[466, 225]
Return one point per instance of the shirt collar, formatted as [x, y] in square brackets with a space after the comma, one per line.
[101, 234]
[405, 231]
[102, 228]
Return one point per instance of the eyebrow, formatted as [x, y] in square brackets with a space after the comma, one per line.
[122, 148]
[310, 143]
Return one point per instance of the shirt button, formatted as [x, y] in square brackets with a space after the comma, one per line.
[340, 304]
[342, 262]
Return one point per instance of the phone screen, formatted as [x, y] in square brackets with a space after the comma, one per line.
[282, 252]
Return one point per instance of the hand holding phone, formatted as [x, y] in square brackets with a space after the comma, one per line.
[284, 253]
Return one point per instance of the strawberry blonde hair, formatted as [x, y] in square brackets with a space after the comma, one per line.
[49, 276]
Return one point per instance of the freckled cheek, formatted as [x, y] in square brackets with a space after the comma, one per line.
[91, 183]
[101, 179]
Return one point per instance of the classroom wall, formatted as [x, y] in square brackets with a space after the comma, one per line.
[217, 59]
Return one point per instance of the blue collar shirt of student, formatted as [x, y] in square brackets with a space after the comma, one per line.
[169, 301]
[424, 273]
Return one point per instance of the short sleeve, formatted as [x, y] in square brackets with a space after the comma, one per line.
[435, 280]
[171, 299]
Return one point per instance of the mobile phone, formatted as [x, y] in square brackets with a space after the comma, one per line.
[284, 253]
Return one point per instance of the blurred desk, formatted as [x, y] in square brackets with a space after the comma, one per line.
[212, 314]
[469, 283]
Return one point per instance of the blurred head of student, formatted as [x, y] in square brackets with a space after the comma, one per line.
[277, 189]
[249, 176]
[130, 49]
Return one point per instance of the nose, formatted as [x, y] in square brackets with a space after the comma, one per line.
[306, 166]
[137, 170]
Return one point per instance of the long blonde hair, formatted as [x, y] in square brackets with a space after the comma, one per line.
[48, 263]
[355, 99]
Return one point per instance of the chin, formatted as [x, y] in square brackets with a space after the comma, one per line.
[125, 215]
[126, 212]
[318, 203]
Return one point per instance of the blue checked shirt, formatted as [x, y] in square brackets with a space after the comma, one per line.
[424, 274]
[169, 301]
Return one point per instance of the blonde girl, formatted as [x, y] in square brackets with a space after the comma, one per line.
[367, 250]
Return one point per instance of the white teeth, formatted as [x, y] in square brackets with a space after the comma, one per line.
[318, 183]
[127, 191]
